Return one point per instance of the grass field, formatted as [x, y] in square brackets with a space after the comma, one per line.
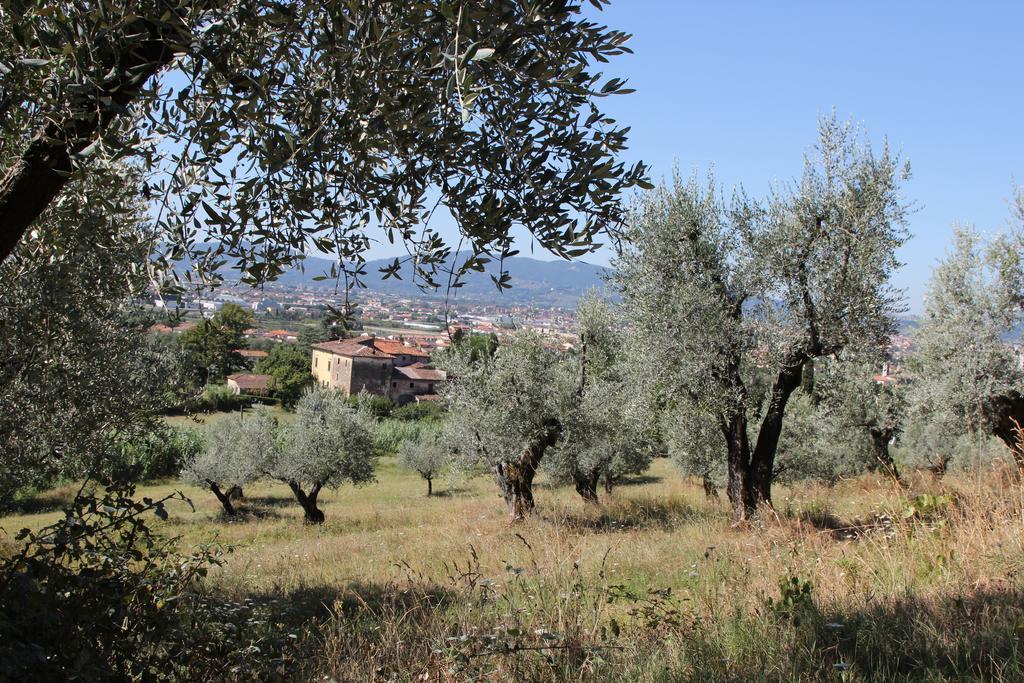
[855, 582]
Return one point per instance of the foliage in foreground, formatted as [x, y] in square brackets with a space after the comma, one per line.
[99, 596]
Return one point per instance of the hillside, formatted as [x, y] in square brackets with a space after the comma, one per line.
[545, 283]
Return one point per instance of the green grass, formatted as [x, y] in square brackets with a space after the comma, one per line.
[398, 583]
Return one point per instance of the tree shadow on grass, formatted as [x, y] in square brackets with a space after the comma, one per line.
[931, 638]
[627, 515]
[48, 501]
[639, 480]
[450, 493]
[269, 501]
[839, 529]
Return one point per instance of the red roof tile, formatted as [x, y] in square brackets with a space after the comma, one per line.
[245, 380]
[397, 348]
[421, 372]
[352, 348]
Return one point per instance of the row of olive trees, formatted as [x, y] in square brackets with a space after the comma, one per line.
[326, 445]
[728, 304]
[523, 403]
[747, 340]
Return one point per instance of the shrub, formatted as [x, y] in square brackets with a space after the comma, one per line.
[99, 596]
[390, 434]
[160, 453]
[427, 410]
[379, 407]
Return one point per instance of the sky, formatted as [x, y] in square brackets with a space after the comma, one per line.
[738, 87]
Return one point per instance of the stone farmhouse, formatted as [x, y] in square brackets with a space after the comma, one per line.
[386, 367]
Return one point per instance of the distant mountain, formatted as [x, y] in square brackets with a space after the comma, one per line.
[545, 283]
[550, 283]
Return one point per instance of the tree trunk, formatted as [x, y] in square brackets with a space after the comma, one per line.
[430, 486]
[586, 483]
[1008, 425]
[313, 514]
[236, 493]
[34, 180]
[609, 482]
[880, 444]
[762, 463]
[516, 478]
[224, 498]
[739, 487]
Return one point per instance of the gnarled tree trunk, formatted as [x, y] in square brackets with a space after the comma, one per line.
[224, 498]
[39, 175]
[880, 439]
[586, 483]
[1008, 425]
[739, 487]
[609, 482]
[762, 460]
[516, 478]
[313, 514]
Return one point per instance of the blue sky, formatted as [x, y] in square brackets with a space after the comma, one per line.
[738, 86]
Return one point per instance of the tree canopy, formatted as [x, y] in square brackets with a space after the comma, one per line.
[327, 445]
[733, 299]
[966, 373]
[270, 129]
[76, 371]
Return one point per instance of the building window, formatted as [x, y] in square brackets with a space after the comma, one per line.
[394, 384]
[328, 366]
[315, 361]
[410, 385]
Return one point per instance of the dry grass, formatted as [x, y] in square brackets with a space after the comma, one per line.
[397, 585]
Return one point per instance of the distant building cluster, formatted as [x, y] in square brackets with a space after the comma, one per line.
[396, 369]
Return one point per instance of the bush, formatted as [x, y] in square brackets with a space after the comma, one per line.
[427, 410]
[99, 596]
[389, 435]
[160, 453]
[379, 407]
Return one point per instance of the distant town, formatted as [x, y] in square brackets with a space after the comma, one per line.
[284, 310]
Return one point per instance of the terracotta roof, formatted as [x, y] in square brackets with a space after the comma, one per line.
[245, 380]
[422, 372]
[251, 353]
[397, 348]
[353, 348]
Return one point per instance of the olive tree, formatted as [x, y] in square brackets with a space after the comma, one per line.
[427, 455]
[238, 451]
[326, 445]
[864, 414]
[608, 430]
[77, 374]
[966, 373]
[272, 128]
[734, 296]
[507, 411]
